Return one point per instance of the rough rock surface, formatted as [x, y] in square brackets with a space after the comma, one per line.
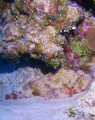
[28, 81]
[24, 36]
[85, 106]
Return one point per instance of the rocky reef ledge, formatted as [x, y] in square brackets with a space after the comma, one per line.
[56, 32]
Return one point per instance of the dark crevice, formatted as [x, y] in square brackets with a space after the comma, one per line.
[9, 65]
[42, 65]
[9, 1]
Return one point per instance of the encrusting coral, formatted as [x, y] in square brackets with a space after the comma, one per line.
[35, 28]
[58, 85]
[26, 36]
[62, 84]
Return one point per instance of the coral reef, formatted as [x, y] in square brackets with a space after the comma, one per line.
[26, 36]
[3, 6]
[59, 85]
[35, 28]
[77, 49]
[28, 82]
[56, 32]
[59, 34]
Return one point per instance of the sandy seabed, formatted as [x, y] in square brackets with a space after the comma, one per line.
[37, 108]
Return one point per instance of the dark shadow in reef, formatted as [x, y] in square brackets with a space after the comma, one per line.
[8, 66]
[9, 1]
[42, 66]
[87, 5]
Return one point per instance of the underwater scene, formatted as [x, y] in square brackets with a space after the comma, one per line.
[47, 59]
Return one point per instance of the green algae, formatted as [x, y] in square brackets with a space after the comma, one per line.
[36, 91]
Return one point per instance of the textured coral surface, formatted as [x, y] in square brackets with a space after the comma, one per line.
[55, 32]
[27, 82]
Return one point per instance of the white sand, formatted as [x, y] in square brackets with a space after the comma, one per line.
[37, 108]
